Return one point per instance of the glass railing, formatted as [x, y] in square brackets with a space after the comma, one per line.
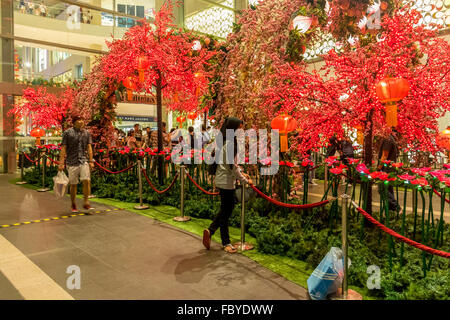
[75, 15]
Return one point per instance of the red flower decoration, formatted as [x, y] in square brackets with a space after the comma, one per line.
[397, 165]
[352, 161]
[420, 181]
[289, 164]
[362, 168]
[330, 160]
[418, 171]
[406, 177]
[336, 171]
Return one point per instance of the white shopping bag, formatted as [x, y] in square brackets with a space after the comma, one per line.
[60, 183]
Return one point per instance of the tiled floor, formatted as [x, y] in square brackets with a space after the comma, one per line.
[123, 255]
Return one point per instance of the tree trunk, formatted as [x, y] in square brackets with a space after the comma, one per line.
[368, 157]
[160, 133]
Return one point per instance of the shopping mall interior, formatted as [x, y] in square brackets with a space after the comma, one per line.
[149, 228]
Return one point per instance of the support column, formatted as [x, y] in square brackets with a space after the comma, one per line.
[7, 146]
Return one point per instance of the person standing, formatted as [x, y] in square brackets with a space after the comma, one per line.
[389, 152]
[226, 175]
[347, 153]
[77, 145]
[138, 135]
[206, 138]
[131, 140]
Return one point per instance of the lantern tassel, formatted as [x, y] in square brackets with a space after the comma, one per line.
[283, 142]
[141, 76]
[129, 94]
[391, 115]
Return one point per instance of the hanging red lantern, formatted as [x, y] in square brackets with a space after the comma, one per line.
[207, 41]
[390, 91]
[37, 133]
[143, 64]
[284, 123]
[181, 119]
[443, 139]
[192, 116]
[130, 85]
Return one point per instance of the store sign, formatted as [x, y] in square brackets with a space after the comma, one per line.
[136, 118]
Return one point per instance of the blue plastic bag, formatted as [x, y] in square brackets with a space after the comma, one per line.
[328, 275]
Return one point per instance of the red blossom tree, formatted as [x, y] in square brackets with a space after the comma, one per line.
[174, 70]
[45, 109]
[345, 96]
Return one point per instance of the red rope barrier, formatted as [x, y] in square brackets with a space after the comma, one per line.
[112, 172]
[199, 187]
[399, 236]
[26, 156]
[54, 161]
[440, 196]
[290, 205]
[153, 187]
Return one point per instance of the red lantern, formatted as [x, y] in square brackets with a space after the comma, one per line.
[390, 91]
[284, 123]
[207, 41]
[129, 84]
[443, 139]
[181, 119]
[37, 133]
[192, 116]
[143, 64]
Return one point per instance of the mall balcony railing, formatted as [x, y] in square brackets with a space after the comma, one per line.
[84, 13]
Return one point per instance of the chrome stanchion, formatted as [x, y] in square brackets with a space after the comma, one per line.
[141, 206]
[182, 218]
[21, 169]
[344, 235]
[44, 163]
[242, 245]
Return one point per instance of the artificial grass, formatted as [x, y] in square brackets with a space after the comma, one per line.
[292, 269]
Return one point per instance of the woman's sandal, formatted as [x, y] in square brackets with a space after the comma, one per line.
[206, 239]
[229, 248]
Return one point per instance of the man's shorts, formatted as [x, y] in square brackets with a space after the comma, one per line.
[81, 172]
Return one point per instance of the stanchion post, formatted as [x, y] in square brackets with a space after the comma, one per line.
[345, 198]
[182, 218]
[22, 155]
[242, 245]
[44, 163]
[141, 206]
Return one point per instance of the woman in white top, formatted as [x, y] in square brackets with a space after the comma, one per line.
[226, 175]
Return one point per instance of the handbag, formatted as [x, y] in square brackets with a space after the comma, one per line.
[248, 193]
